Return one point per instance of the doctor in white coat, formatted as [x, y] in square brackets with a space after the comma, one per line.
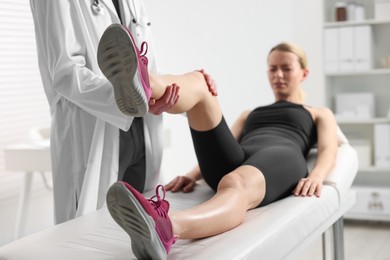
[86, 123]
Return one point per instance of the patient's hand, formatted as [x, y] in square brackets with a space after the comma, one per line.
[308, 187]
[181, 183]
[166, 102]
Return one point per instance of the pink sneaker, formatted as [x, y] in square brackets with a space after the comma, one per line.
[145, 220]
[126, 67]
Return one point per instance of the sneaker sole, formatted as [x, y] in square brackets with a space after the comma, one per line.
[130, 215]
[117, 59]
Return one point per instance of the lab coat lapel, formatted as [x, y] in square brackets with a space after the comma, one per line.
[110, 8]
[130, 9]
[127, 8]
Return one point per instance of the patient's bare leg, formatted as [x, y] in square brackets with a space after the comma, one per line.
[237, 192]
[195, 99]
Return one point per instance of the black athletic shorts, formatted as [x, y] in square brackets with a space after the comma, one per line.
[280, 161]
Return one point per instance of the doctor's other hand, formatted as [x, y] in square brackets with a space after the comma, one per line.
[181, 183]
[210, 82]
[166, 102]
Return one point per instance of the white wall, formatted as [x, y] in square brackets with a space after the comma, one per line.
[23, 104]
[231, 40]
[307, 22]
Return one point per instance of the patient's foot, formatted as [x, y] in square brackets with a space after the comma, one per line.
[126, 67]
[145, 220]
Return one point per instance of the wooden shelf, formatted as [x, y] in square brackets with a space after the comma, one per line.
[358, 121]
[375, 79]
[354, 23]
[374, 169]
[383, 71]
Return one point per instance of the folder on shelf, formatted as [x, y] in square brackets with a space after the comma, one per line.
[348, 48]
[331, 49]
[346, 43]
[382, 145]
[363, 48]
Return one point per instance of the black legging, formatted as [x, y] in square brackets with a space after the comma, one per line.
[280, 161]
[218, 153]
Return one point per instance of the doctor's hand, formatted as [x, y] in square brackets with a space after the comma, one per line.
[307, 187]
[181, 183]
[166, 102]
[210, 83]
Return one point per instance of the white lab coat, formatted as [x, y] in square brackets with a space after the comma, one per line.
[85, 118]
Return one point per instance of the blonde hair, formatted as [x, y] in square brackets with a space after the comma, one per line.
[302, 58]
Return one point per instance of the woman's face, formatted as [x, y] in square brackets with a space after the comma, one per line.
[285, 73]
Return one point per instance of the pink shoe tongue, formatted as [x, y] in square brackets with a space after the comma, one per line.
[143, 65]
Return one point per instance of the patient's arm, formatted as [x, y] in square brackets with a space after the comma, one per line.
[326, 156]
[238, 125]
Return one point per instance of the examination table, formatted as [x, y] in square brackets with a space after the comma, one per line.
[281, 230]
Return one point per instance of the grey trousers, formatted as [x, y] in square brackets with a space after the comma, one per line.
[132, 165]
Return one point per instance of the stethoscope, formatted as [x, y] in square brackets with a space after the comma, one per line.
[97, 9]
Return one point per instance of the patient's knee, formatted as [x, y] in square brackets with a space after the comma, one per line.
[232, 180]
[247, 179]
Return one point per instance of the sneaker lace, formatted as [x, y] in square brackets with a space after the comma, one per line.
[157, 200]
[144, 59]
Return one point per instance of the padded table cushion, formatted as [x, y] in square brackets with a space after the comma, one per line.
[272, 232]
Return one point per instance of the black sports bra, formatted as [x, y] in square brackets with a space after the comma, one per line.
[282, 120]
